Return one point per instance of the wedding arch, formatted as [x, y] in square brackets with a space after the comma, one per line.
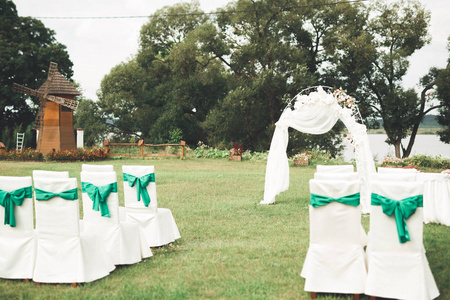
[315, 111]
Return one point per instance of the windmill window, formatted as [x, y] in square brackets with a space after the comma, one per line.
[64, 108]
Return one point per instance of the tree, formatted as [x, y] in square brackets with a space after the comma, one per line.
[277, 49]
[89, 117]
[376, 55]
[172, 83]
[443, 94]
[26, 49]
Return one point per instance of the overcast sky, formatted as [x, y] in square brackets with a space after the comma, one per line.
[95, 46]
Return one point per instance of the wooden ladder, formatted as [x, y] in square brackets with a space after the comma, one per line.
[19, 143]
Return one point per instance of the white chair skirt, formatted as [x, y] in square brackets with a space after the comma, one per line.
[17, 244]
[121, 239]
[64, 255]
[157, 224]
[335, 261]
[397, 270]
[158, 230]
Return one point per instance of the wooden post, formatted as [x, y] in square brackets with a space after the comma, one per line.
[106, 144]
[2, 148]
[141, 144]
[183, 143]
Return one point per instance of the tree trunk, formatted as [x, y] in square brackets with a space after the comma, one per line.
[419, 119]
[397, 149]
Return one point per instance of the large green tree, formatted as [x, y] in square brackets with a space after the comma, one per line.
[26, 49]
[372, 54]
[172, 83]
[277, 49]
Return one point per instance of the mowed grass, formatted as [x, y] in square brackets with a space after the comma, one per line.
[231, 247]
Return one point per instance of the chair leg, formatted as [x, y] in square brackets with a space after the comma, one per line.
[38, 284]
[373, 297]
[313, 295]
[26, 280]
[74, 284]
[356, 297]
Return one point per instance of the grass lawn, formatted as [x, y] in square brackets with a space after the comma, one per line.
[231, 247]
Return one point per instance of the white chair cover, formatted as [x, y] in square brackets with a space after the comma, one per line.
[157, 224]
[63, 255]
[122, 240]
[397, 270]
[50, 174]
[396, 170]
[17, 244]
[335, 168]
[436, 197]
[336, 176]
[392, 177]
[97, 168]
[335, 261]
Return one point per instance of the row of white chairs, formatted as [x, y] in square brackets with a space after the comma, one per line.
[394, 264]
[64, 249]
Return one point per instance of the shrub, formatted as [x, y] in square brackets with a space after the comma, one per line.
[26, 154]
[437, 162]
[205, 151]
[77, 155]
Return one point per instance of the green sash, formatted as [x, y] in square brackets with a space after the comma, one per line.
[319, 200]
[141, 185]
[9, 199]
[402, 210]
[99, 196]
[45, 195]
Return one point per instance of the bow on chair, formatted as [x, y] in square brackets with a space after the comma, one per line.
[402, 210]
[141, 185]
[99, 196]
[319, 200]
[45, 195]
[9, 199]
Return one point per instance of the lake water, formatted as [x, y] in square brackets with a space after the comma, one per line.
[429, 145]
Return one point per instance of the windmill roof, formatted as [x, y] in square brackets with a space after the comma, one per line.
[59, 86]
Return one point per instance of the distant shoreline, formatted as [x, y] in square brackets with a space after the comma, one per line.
[425, 131]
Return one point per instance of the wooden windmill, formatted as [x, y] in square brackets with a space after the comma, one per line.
[54, 119]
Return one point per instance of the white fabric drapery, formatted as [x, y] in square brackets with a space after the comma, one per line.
[315, 113]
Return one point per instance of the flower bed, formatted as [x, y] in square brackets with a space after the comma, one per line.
[25, 155]
[77, 155]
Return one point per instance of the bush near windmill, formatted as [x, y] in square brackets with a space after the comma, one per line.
[28, 154]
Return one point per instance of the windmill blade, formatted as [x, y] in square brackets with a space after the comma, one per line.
[51, 71]
[70, 103]
[24, 90]
[39, 121]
